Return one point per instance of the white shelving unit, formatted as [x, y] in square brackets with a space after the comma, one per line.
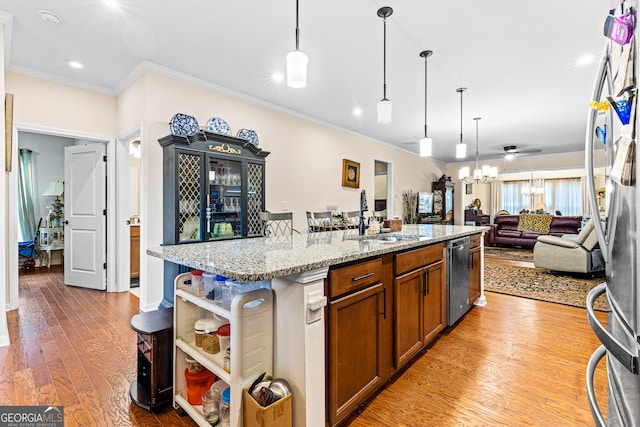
[251, 319]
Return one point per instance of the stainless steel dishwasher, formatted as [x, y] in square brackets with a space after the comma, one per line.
[457, 279]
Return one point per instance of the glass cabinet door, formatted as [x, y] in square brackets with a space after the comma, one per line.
[224, 199]
[448, 200]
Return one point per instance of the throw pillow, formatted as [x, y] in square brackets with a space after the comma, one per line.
[536, 223]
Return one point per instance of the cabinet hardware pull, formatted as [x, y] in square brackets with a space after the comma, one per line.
[427, 281]
[384, 302]
[364, 276]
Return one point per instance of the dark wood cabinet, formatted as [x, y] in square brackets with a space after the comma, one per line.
[475, 268]
[419, 300]
[359, 358]
[443, 200]
[213, 189]
[434, 304]
[134, 251]
[153, 387]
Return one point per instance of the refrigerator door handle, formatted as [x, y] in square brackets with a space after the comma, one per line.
[604, 76]
[613, 346]
[591, 395]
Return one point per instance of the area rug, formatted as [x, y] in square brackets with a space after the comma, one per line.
[535, 283]
[511, 254]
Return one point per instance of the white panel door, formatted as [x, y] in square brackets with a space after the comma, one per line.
[85, 222]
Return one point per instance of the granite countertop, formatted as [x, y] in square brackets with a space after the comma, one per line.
[264, 258]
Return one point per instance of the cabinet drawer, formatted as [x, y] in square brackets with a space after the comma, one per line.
[354, 277]
[418, 258]
[474, 241]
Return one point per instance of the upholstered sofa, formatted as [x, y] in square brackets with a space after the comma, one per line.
[570, 253]
[523, 230]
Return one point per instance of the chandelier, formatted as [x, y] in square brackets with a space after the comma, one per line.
[480, 175]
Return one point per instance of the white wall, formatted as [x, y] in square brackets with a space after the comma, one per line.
[7, 245]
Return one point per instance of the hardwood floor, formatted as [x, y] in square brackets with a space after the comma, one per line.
[74, 347]
[512, 362]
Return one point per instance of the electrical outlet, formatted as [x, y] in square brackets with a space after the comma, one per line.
[284, 206]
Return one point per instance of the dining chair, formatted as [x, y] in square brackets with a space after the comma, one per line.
[351, 219]
[276, 224]
[380, 215]
[321, 221]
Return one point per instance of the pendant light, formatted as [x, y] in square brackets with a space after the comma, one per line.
[480, 175]
[384, 106]
[426, 143]
[461, 148]
[297, 62]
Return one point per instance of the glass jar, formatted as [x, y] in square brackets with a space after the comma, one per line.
[225, 408]
[199, 329]
[193, 367]
[211, 405]
[226, 364]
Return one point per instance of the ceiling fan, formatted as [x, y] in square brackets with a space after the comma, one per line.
[511, 151]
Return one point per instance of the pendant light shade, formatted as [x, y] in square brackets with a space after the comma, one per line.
[426, 147]
[384, 106]
[461, 148]
[297, 62]
[297, 69]
[426, 143]
[384, 111]
[464, 172]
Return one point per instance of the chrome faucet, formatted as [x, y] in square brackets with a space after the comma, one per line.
[363, 209]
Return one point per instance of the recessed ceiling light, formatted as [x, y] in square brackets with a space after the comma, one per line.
[584, 60]
[49, 17]
[278, 77]
[112, 3]
[75, 64]
[357, 111]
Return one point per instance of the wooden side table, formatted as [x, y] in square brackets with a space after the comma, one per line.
[51, 239]
[153, 388]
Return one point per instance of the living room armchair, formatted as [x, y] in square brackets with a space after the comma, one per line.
[570, 253]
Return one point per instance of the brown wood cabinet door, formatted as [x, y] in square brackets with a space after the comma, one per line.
[134, 249]
[407, 310]
[433, 296]
[355, 347]
[474, 274]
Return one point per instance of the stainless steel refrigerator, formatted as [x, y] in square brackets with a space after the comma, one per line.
[616, 86]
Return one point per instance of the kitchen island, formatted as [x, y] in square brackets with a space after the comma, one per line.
[298, 266]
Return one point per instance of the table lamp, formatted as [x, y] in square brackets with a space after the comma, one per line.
[56, 189]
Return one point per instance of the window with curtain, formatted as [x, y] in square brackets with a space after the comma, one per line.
[26, 213]
[515, 196]
[563, 195]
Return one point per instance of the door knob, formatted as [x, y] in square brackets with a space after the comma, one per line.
[66, 222]
[128, 222]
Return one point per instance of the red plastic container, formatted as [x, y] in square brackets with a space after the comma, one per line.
[197, 384]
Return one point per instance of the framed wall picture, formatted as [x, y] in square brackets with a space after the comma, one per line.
[469, 189]
[350, 174]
